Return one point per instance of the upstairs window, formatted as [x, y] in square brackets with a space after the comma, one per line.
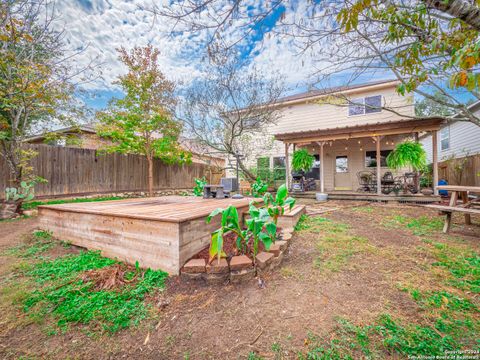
[366, 105]
[445, 138]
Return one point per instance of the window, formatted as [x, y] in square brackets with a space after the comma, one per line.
[373, 104]
[263, 168]
[279, 168]
[445, 138]
[314, 172]
[371, 158]
[367, 105]
[341, 164]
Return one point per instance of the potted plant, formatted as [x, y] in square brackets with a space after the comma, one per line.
[408, 154]
[14, 197]
[302, 161]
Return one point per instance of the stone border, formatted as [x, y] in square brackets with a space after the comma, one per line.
[240, 268]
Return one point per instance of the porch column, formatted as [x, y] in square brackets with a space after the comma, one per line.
[287, 166]
[435, 161]
[322, 177]
[379, 173]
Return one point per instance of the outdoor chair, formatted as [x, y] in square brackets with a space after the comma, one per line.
[229, 185]
[367, 181]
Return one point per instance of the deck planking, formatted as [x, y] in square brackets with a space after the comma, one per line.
[171, 208]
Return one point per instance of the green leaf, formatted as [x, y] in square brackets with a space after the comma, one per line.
[271, 229]
[213, 214]
[266, 240]
[282, 193]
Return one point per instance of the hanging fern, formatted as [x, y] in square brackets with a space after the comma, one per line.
[302, 160]
[408, 153]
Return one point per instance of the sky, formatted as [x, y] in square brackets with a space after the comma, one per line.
[101, 26]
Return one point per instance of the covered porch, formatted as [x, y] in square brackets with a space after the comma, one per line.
[344, 154]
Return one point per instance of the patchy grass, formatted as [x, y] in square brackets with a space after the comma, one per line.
[83, 288]
[421, 226]
[335, 243]
[462, 264]
[34, 204]
[364, 209]
[40, 243]
[449, 308]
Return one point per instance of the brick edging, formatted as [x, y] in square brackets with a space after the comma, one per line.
[240, 268]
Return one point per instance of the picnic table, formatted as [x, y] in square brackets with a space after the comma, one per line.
[467, 206]
[208, 193]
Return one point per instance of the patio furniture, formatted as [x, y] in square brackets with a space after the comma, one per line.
[229, 185]
[467, 207]
[367, 181]
[408, 182]
[226, 186]
[210, 191]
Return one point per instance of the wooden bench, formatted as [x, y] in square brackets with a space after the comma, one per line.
[448, 210]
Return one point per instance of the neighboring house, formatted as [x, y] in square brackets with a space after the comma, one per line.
[85, 137]
[458, 140]
[342, 126]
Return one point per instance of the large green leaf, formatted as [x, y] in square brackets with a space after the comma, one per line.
[282, 193]
[266, 240]
[216, 245]
[271, 228]
[290, 202]
[213, 214]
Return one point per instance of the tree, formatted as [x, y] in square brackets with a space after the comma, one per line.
[142, 121]
[37, 80]
[425, 44]
[230, 107]
[428, 107]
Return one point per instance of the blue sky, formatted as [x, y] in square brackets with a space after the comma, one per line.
[104, 25]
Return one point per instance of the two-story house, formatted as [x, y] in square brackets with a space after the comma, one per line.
[348, 129]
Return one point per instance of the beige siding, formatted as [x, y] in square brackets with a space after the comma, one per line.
[317, 116]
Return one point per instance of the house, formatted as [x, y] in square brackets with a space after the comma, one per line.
[348, 129]
[85, 137]
[458, 143]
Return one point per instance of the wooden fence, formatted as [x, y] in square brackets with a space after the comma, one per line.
[463, 171]
[72, 171]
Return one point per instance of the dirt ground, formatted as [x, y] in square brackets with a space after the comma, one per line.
[231, 321]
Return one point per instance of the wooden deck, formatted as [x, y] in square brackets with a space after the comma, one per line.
[160, 233]
[167, 208]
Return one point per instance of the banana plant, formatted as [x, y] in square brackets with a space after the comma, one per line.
[229, 222]
[260, 220]
[276, 206]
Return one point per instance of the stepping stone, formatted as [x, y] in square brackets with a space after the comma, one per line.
[194, 266]
[240, 262]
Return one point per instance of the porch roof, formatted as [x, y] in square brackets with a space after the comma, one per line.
[396, 127]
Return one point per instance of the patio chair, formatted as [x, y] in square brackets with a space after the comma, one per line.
[367, 181]
[229, 185]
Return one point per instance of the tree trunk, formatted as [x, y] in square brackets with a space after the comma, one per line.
[460, 9]
[150, 175]
[247, 172]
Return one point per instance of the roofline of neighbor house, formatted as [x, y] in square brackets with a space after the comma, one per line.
[79, 128]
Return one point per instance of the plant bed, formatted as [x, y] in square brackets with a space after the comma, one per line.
[241, 267]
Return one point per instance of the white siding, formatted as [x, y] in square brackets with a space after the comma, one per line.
[464, 138]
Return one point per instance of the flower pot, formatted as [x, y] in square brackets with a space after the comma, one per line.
[8, 210]
[321, 196]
